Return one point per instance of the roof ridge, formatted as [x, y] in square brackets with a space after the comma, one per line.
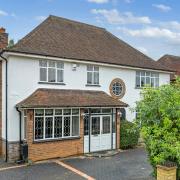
[74, 21]
[170, 55]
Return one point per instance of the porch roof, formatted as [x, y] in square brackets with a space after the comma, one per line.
[69, 98]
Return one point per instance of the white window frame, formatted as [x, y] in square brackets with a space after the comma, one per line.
[47, 71]
[44, 125]
[93, 71]
[154, 78]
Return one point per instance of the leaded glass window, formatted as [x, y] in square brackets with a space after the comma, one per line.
[56, 123]
[39, 121]
[67, 124]
[57, 126]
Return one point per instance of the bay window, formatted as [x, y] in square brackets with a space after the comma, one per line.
[51, 71]
[144, 78]
[56, 123]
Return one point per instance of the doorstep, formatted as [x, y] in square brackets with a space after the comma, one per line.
[106, 153]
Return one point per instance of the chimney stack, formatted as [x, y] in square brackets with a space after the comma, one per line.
[3, 38]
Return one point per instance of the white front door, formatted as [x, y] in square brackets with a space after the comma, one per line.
[100, 132]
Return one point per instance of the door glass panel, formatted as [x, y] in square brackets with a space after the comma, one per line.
[106, 125]
[95, 125]
[86, 125]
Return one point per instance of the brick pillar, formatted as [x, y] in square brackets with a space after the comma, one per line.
[117, 128]
[82, 130]
[29, 129]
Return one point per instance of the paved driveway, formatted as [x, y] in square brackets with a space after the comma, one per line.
[45, 171]
[129, 165]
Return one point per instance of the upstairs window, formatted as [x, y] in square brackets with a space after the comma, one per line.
[51, 71]
[144, 78]
[92, 75]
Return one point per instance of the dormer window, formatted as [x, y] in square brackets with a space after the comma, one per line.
[51, 71]
[92, 75]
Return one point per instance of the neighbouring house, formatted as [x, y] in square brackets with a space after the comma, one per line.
[172, 62]
[65, 87]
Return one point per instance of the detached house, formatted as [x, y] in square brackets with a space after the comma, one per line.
[172, 62]
[65, 87]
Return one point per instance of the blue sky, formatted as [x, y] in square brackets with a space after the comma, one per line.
[152, 26]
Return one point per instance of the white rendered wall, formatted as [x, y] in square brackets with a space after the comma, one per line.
[24, 78]
[3, 99]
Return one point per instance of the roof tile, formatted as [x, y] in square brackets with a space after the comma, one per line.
[69, 98]
[59, 37]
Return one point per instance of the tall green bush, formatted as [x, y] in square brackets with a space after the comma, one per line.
[159, 121]
[128, 135]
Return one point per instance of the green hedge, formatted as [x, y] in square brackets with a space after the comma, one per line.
[128, 135]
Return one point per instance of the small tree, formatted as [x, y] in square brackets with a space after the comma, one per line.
[160, 123]
[11, 43]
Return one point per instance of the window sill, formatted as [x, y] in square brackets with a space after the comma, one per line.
[51, 83]
[93, 85]
[138, 87]
[145, 87]
[54, 140]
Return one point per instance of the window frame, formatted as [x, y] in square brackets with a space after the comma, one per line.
[93, 71]
[56, 68]
[53, 130]
[143, 74]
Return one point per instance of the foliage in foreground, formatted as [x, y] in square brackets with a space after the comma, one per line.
[159, 121]
[128, 135]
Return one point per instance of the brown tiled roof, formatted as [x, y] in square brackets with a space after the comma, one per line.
[69, 98]
[59, 37]
[172, 62]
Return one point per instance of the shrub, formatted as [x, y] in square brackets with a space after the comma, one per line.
[128, 135]
[160, 123]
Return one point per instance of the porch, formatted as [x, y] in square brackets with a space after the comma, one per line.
[62, 123]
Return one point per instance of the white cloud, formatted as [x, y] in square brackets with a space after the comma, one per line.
[98, 1]
[3, 13]
[40, 18]
[128, 1]
[162, 7]
[114, 17]
[13, 15]
[143, 50]
[171, 25]
[153, 32]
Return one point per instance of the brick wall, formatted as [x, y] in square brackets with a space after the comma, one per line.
[13, 150]
[3, 38]
[3, 44]
[52, 149]
[0, 108]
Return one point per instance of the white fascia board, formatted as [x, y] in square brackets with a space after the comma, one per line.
[7, 54]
